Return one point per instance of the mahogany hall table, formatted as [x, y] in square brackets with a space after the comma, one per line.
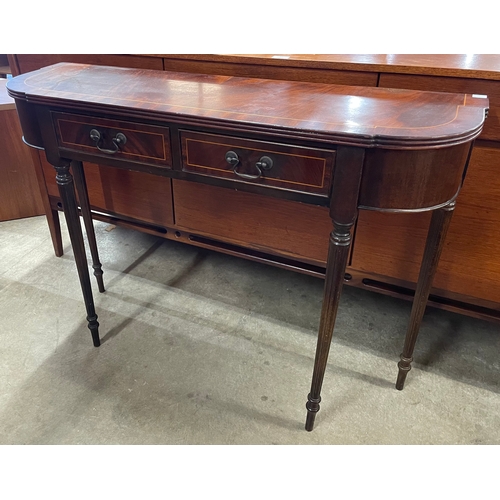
[347, 148]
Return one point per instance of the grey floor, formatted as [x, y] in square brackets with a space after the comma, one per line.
[203, 348]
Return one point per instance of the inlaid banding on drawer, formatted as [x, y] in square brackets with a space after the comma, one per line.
[143, 143]
[283, 166]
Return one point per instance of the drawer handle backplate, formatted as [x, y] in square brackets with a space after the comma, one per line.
[265, 163]
[118, 139]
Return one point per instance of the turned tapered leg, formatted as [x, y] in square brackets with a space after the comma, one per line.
[338, 252]
[81, 188]
[343, 211]
[438, 228]
[66, 191]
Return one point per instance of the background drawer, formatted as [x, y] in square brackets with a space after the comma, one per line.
[145, 143]
[138, 195]
[297, 230]
[294, 168]
[31, 62]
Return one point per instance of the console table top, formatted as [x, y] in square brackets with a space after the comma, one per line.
[360, 116]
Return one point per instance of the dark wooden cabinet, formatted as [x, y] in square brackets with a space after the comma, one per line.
[387, 248]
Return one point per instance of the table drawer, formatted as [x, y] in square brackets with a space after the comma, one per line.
[269, 164]
[114, 138]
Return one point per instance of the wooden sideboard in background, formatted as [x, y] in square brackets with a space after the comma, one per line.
[19, 190]
[387, 248]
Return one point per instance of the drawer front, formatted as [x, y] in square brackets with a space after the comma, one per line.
[114, 138]
[281, 166]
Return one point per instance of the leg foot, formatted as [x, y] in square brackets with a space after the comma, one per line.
[93, 325]
[98, 276]
[404, 367]
[312, 406]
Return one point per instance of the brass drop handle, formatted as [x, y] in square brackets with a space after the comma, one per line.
[118, 140]
[265, 163]
[233, 159]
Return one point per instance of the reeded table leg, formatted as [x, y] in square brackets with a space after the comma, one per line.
[338, 252]
[438, 228]
[66, 190]
[81, 188]
[343, 211]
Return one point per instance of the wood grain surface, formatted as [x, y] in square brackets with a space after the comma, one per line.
[138, 195]
[485, 66]
[19, 189]
[24, 63]
[255, 221]
[361, 116]
[392, 244]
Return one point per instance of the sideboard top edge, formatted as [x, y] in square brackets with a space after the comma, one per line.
[481, 66]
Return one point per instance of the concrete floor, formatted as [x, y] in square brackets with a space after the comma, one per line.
[203, 348]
